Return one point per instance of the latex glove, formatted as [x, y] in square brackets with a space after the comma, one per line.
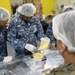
[44, 43]
[7, 59]
[30, 47]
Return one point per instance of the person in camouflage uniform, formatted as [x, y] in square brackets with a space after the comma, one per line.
[49, 32]
[22, 31]
[64, 31]
[4, 17]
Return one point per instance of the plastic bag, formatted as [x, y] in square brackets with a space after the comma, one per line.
[35, 65]
[54, 59]
[44, 43]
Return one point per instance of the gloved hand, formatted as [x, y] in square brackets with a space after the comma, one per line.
[30, 47]
[7, 59]
[44, 43]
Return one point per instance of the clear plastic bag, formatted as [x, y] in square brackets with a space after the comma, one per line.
[54, 59]
[26, 66]
[44, 43]
[17, 67]
[35, 65]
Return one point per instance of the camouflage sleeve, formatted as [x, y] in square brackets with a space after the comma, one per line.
[49, 34]
[16, 43]
[40, 30]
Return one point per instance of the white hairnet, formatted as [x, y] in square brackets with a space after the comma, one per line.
[4, 14]
[69, 6]
[28, 9]
[64, 29]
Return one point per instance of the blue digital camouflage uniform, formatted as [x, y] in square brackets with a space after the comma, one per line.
[3, 46]
[49, 34]
[20, 33]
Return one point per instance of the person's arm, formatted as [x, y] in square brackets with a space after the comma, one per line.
[40, 32]
[1, 58]
[49, 34]
[15, 42]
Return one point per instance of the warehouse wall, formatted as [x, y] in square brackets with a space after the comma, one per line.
[48, 6]
[6, 4]
[65, 2]
[17, 1]
[59, 2]
[72, 2]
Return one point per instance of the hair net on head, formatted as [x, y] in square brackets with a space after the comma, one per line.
[4, 14]
[28, 9]
[68, 7]
[64, 29]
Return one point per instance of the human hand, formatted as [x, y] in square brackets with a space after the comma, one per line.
[52, 46]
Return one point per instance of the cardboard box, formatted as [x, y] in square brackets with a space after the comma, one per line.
[38, 16]
[24, 1]
[38, 6]
[36, 2]
[29, 1]
[38, 11]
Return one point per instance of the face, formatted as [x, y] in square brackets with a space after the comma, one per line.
[49, 21]
[69, 57]
[3, 23]
[63, 49]
[25, 18]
